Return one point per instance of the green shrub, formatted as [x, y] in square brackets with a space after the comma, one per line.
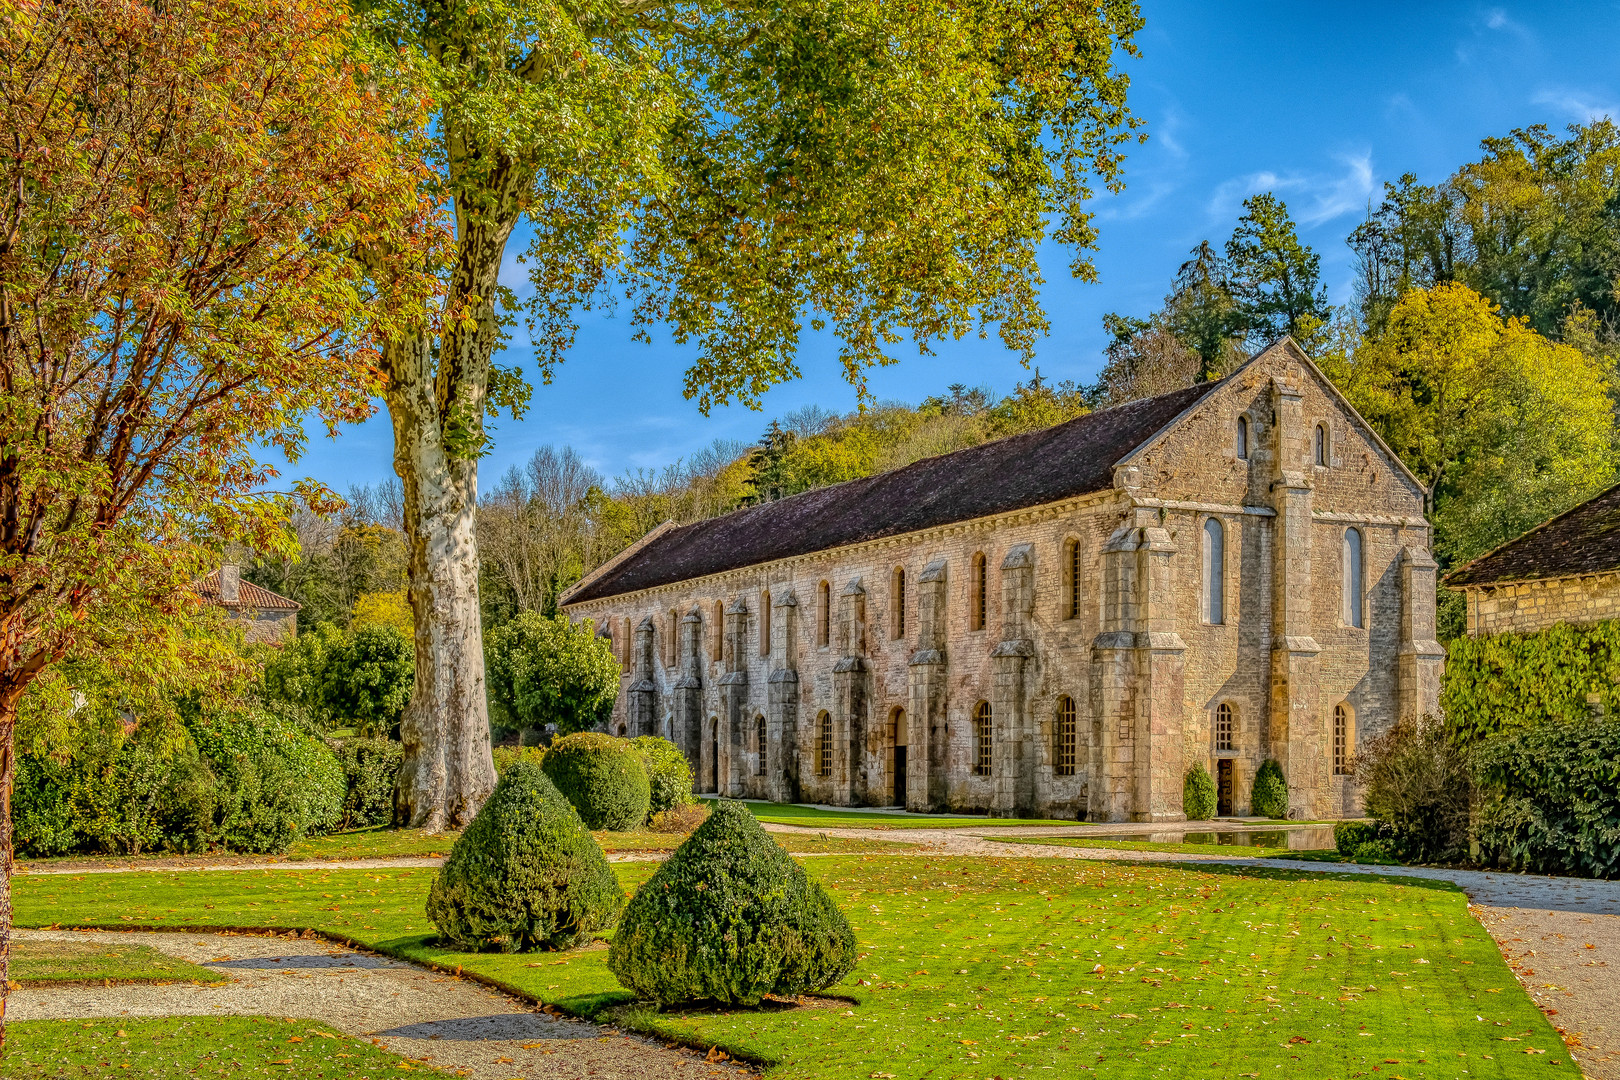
[1417, 789]
[1374, 851]
[1269, 797]
[1198, 794]
[1349, 835]
[370, 772]
[547, 670]
[1548, 798]
[359, 678]
[1498, 682]
[507, 756]
[525, 874]
[668, 773]
[277, 784]
[603, 778]
[730, 917]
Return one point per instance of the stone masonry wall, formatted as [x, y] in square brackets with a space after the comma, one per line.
[1528, 606]
[1144, 668]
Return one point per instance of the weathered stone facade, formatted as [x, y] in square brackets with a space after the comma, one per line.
[1527, 606]
[1070, 658]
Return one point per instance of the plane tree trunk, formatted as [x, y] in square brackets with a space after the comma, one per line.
[437, 400]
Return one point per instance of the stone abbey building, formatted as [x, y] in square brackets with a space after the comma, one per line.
[1056, 624]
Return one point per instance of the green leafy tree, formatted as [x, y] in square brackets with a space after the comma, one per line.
[738, 174]
[1275, 279]
[366, 679]
[1203, 314]
[546, 670]
[1504, 427]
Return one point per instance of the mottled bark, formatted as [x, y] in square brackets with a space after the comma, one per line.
[437, 402]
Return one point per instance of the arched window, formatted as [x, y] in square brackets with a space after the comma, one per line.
[978, 588]
[1065, 755]
[823, 614]
[720, 631]
[1225, 727]
[1342, 736]
[1243, 438]
[1071, 584]
[765, 623]
[1321, 445]
[1352, 577]
[982, 745]
[759, 744]
[627, 655]
[1214, 611]
[825, 723]
[674, 638]
[897, 600]
[621, 731]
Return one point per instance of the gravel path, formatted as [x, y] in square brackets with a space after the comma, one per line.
[453, 1024]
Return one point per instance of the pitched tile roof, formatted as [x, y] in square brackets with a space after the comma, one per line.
[1060, 462]
[1585, 540]
[248, 595]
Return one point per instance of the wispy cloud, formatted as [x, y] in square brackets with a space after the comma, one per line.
[1581, 107]
[1312, 197]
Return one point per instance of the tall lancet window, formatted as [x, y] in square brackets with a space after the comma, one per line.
[1214, 572]
[1243, 438]
[1352, 578]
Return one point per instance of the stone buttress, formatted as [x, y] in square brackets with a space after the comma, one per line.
[1014, 731]
[734, 699]
[928, 732]
[687, 723]
[782, 705]
[851, 767]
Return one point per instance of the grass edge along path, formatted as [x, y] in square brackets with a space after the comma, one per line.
[812, 817]
[976, 967]
[182, 1045]
[37, 962]
[1229, 851]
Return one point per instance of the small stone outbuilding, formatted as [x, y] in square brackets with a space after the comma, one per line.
[1563, 570]
[264, 616]
[1056, 624]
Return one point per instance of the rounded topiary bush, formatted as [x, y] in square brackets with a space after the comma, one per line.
[730, 917]
[602, 776]
[1198, 794]
[1270, 795]
[526, 874]
[667, 772]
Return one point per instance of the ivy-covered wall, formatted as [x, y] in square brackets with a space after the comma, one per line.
[1504, 681]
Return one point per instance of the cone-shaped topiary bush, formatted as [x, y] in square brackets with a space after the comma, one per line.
[603, 777]
[526, 874]
[1198, 794]
[730, 918]
[1270, 795]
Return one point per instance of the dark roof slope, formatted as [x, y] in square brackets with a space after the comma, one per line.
[1585, 540]
[248, 595]
[1038, 467]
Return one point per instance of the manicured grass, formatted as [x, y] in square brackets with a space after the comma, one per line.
[185, 1046]
[987, 967]
[377, 842]
[1239, 851]
[56, 963]
[812, 817]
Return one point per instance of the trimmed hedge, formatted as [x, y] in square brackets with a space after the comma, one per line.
[603, 777]
[507, 756]
[730, 917]
[1198, 794]
[667, 771]
[1550, 798]
[1504, 681]
[1269, 796]
[1350, 835]
[525, 875]
[1418, 790]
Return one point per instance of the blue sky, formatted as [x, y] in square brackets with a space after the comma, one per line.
[1320, 103]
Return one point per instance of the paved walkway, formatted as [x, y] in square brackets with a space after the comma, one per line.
[453, 1024]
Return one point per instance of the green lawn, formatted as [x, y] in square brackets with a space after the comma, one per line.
[980, 967]
[56, 963]
[1240, 851]
[184, 1046]
[811, 817]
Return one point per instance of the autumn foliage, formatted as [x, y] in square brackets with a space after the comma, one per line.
[185, 188]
